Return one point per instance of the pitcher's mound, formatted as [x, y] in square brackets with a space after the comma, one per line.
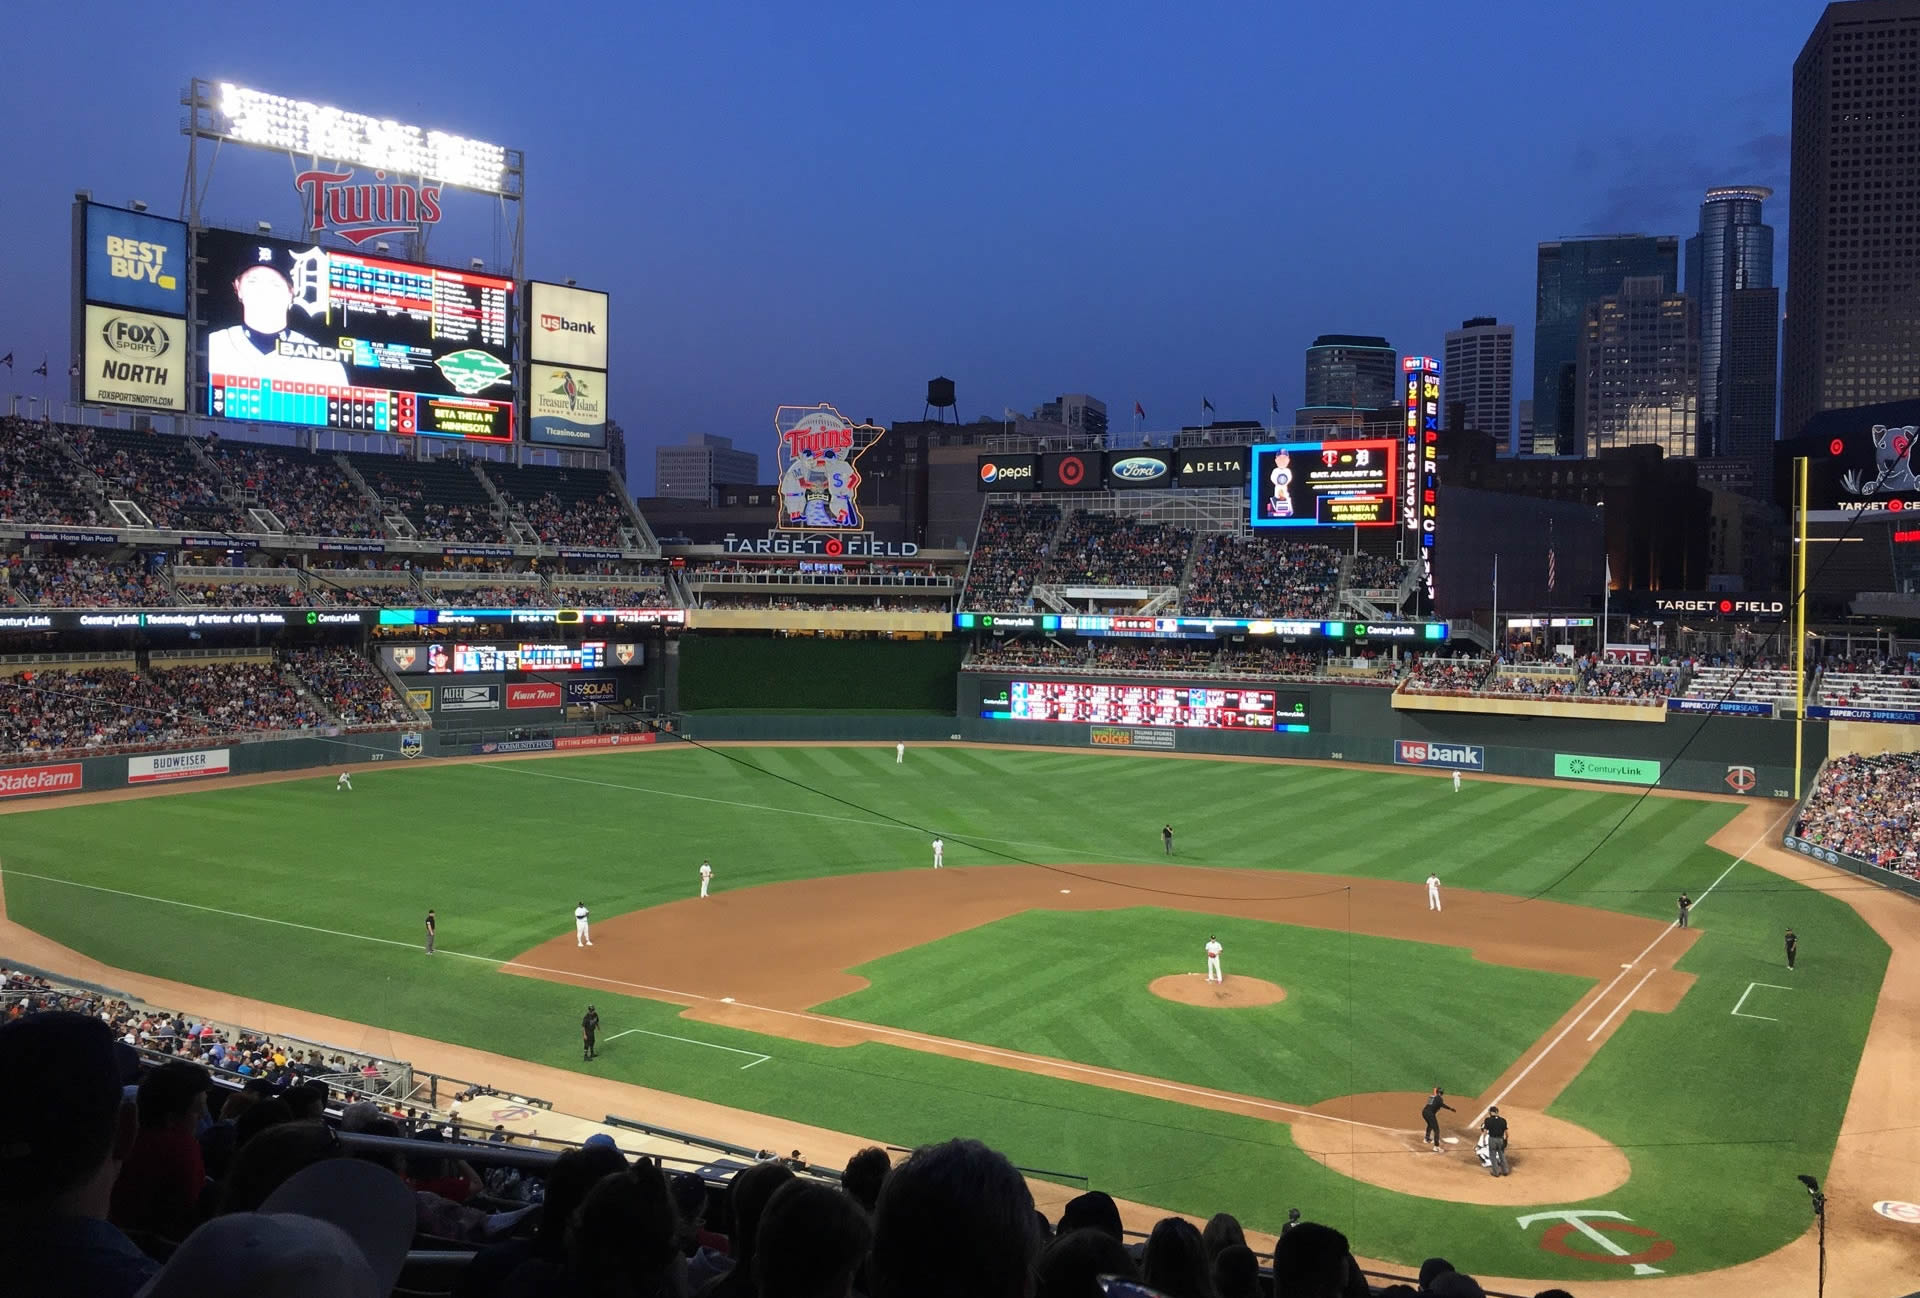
[1236, 993]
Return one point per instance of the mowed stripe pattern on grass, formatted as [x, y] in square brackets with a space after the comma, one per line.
[1362, 1013]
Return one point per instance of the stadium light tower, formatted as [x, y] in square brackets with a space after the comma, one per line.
[405, 167]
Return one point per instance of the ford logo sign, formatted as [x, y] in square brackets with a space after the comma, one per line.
[1139, 468]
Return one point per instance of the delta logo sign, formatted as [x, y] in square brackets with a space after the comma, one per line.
[359, 212]
[817, 451]
[1446, 757]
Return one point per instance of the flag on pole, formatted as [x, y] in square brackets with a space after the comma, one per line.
[1206, 405]
[1609, 562]
[1273, 402]
[7, 360]
[42, 371]
[1550, 571]
[1138, 411]
[1008, 412]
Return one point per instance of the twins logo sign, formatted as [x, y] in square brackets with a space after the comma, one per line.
[1598, 1229]
[817, 451]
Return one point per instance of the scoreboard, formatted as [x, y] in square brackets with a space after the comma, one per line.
[299, 334]
[1341, 483]
[1190, 707]
[458, 659]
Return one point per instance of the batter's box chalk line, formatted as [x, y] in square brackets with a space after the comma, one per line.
[758, 1058]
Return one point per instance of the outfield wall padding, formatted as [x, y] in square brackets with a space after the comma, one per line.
[777, 674]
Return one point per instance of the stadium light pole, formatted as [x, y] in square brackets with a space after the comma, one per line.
[1800, 466]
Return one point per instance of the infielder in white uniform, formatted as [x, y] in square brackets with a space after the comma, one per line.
[344, 782]
[899, 754]
[706, 876]
[1456, 781]
[1213, 961]
[939, 852]
[1433, 892]
[580, 937]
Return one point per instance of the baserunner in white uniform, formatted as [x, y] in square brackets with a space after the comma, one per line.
[939, 852]
[1213, 961]
[580, 937]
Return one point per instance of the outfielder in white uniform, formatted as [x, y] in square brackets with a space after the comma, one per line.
[706, 876]
[344, 782]
[899, 754]
[1456, 781]
[1213, 961]
[580, 937]
[939, 852]
[1433, 892]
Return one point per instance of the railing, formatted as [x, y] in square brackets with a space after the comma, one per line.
[824, 581]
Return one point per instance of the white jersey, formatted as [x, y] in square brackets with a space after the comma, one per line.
[706, 872]
[580, 914]
[1213, 950]
[289, 357]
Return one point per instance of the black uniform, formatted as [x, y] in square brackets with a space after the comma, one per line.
[1166, 838]
[430, 927]
[1686, 904]
[589, 1027]
[1431, 1113]
[1496, 1128]
[1793, 948]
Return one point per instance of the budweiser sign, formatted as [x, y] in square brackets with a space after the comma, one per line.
[359, 212]
[26, 780]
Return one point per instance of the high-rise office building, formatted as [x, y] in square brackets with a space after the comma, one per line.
[1573, 274]
[1733, 251]
[1637, 374]
[1078, 411]
[1523, 430]
[1853, 247]
[693, 469]
[1478, 366]
[1350, 379]
[1749, 397]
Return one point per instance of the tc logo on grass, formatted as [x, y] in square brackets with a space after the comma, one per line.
[1598, 1228]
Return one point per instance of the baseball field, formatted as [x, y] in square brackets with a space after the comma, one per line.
[1044, 991]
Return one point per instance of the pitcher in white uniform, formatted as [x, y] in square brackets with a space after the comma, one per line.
[1213, 961]
[1433, 892]
[580, 937]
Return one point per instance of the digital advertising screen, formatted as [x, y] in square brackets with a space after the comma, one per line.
[1212, 466]
[133, 259]
[1343, 483]
[132, 358]
[296, 334]
[1181, 707]
[566, 325]
[460, 659]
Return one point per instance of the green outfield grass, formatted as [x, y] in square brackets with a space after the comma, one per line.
[1361, 1013]
[295, 894]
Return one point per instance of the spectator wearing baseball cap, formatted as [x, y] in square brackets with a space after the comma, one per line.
[64, 1133]
[159, 1188]
[337, 1229]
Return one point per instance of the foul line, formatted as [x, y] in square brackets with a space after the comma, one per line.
[1626, 969]
[694, 997]
[1622, 1005]
[758, 1058]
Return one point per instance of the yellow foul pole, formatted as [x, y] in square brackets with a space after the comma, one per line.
[1800, 466]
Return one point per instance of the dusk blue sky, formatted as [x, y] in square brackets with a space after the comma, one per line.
[837, 201]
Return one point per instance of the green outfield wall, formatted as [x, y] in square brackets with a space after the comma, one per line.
[801, 674]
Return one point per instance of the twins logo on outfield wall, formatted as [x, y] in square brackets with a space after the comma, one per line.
[1741, 779]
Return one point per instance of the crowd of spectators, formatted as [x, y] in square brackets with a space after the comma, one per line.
[1375, 572]
[865, 603]
[37, 480]
[1259, 576]
[45, 711]
[215, 1190]
[1008, 552]
[1870, 680]
[525, 594]
[1110, 550]
[1175, 658]
[649, 596]
[1459, 674]
[244, 594]
[466, 522]
[82, 581]
[597, 521]
[231, 698]
[358, 692]
[1867, 807]
[159, 474]
[310, 494]
[1589, 678]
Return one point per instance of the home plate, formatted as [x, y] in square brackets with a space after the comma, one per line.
[1451, 1140]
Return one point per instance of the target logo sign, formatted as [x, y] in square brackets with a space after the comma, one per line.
[1072, 471]
[1836, 446]
[835, 547]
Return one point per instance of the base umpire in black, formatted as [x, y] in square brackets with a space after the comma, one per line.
[1793, 948]
[1686, 907]
[589, 1028]
[1431, 1112]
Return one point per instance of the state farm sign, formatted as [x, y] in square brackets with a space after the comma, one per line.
[538, 695]
[27, 780]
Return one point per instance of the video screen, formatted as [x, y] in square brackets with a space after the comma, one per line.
[1190, 707]
[296, 334]
[1344, 483]
[459, 659]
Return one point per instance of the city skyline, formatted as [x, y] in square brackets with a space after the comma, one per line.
[935, 231]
